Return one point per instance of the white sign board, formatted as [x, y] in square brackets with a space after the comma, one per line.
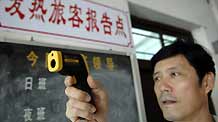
[78, 19]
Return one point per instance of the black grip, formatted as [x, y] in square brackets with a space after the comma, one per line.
[83, 85]
[72, 65]
[75, 65]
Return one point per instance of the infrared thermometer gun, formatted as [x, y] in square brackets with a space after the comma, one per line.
[71, 64]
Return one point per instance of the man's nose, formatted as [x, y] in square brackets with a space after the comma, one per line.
[165, 85]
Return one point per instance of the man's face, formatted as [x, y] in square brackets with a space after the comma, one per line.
[177, 89]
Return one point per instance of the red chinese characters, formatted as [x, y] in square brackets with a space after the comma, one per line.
[120, 30]
[76, 20]
[106, 24]
[92, 21]
[57, 14]
[70, 15]
[37, 5]
[15, 8]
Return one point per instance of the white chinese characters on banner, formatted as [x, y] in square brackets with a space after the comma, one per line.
[28, 114]
[41, 113]
[28, 83]
[79, 19]
[41, 110]
[42, 84]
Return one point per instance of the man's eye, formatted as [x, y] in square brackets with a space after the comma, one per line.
[174, 74]
[156, 79]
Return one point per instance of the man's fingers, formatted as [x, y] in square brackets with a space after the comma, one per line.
[74, 113]
[73, 103]
[78, 105]
[76, 109]
[94, 84]
[97, 89]
[73, 119]
[69, 81]
[78, 94]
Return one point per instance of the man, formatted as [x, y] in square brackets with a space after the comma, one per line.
[184, 76]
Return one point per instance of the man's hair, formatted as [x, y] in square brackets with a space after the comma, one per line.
[196, 55]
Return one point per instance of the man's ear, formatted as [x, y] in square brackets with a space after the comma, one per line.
[208, 82]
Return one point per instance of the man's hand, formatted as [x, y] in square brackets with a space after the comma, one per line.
[78, 104]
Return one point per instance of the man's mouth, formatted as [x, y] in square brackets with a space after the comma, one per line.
[167, 99]
[168, 102]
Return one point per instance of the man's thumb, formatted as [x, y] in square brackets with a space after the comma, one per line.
[93, 84]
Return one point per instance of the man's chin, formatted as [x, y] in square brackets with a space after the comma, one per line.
[170, 116]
